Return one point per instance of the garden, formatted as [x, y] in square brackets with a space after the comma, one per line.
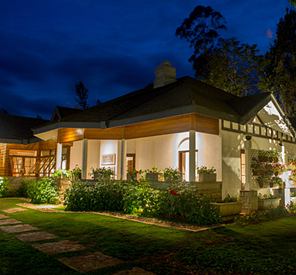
[147, 194]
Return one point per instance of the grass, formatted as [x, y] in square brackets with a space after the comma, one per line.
[264, 248]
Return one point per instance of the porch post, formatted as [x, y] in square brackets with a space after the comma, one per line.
[286, 195]
[84, 159]
[248, 197]
[123, 159]
[192, 162]
[248, 157]
[121, 156]
[59, 154]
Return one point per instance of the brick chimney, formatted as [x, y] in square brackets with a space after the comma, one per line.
[165, 74]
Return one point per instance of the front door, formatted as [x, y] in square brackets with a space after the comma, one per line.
[184, 163]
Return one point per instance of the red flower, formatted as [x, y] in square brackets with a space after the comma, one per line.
[173, 192]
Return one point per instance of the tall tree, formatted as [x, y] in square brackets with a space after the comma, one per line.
[81, 95]
[224, 63]
[280, 63]
[293, 2]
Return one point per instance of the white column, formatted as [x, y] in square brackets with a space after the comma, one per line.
[248, 157]
[119, 159]
[123, 159]
[84, 159]
[286, 198]
[59, 154]
[192, 161]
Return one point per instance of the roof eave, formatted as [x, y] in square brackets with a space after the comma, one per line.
[69, 124]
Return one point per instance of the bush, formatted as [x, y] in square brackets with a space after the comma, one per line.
[3, 187]
[141, 199]
[185, 205]
[100, 196]
[172, 176]
[43, 191]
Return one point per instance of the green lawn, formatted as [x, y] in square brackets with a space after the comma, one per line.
[268, 248]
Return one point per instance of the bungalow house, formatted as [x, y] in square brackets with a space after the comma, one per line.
[180, 123]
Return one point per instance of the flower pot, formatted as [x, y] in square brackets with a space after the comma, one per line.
[264, 204]
[152, 177]
[207, 177]
[228, 208]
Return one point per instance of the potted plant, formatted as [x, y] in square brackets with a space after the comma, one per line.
[152, 175]
[230, 206]
[206, 174]
[267, 202]
[172, 176]
[102, 174]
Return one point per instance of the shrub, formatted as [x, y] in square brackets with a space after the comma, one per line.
[172, 176]
[185, 205]
[99, 196]
[43, 191]
[22, 191]
[3, 187]
[182, 204]
[141, 199]
[228, 198]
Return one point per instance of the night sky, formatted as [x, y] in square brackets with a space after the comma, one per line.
[46, 46]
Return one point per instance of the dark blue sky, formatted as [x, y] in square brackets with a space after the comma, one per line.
[46, 46]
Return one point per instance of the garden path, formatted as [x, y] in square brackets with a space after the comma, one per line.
[52, 245]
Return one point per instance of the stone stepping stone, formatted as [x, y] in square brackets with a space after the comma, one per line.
[36, 236]
[134, 271]
[90, 262]
[9, 221]
[17, 228]
[14, 210]
[3, 217]
[59, 247]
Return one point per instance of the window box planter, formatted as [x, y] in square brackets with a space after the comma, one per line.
[271, 203]
[277, 192]
[207, 177]
[152, 177]
[228, 208]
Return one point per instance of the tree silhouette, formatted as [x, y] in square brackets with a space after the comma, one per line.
[81, 95]
[280, 63]
[227, 64]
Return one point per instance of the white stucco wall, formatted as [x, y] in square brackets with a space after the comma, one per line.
[158, 151]
[232, 144]
[93, 156]
[76, 154]
[162, 151]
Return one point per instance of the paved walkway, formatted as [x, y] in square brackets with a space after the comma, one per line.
[52, 245]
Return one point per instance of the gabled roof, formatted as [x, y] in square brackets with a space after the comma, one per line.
[61, 112]
[18, 129]
[185, 95]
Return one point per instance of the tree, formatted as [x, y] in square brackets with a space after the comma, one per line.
[81, 95]
[224, 63]
[293, 2]
[279, 71]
